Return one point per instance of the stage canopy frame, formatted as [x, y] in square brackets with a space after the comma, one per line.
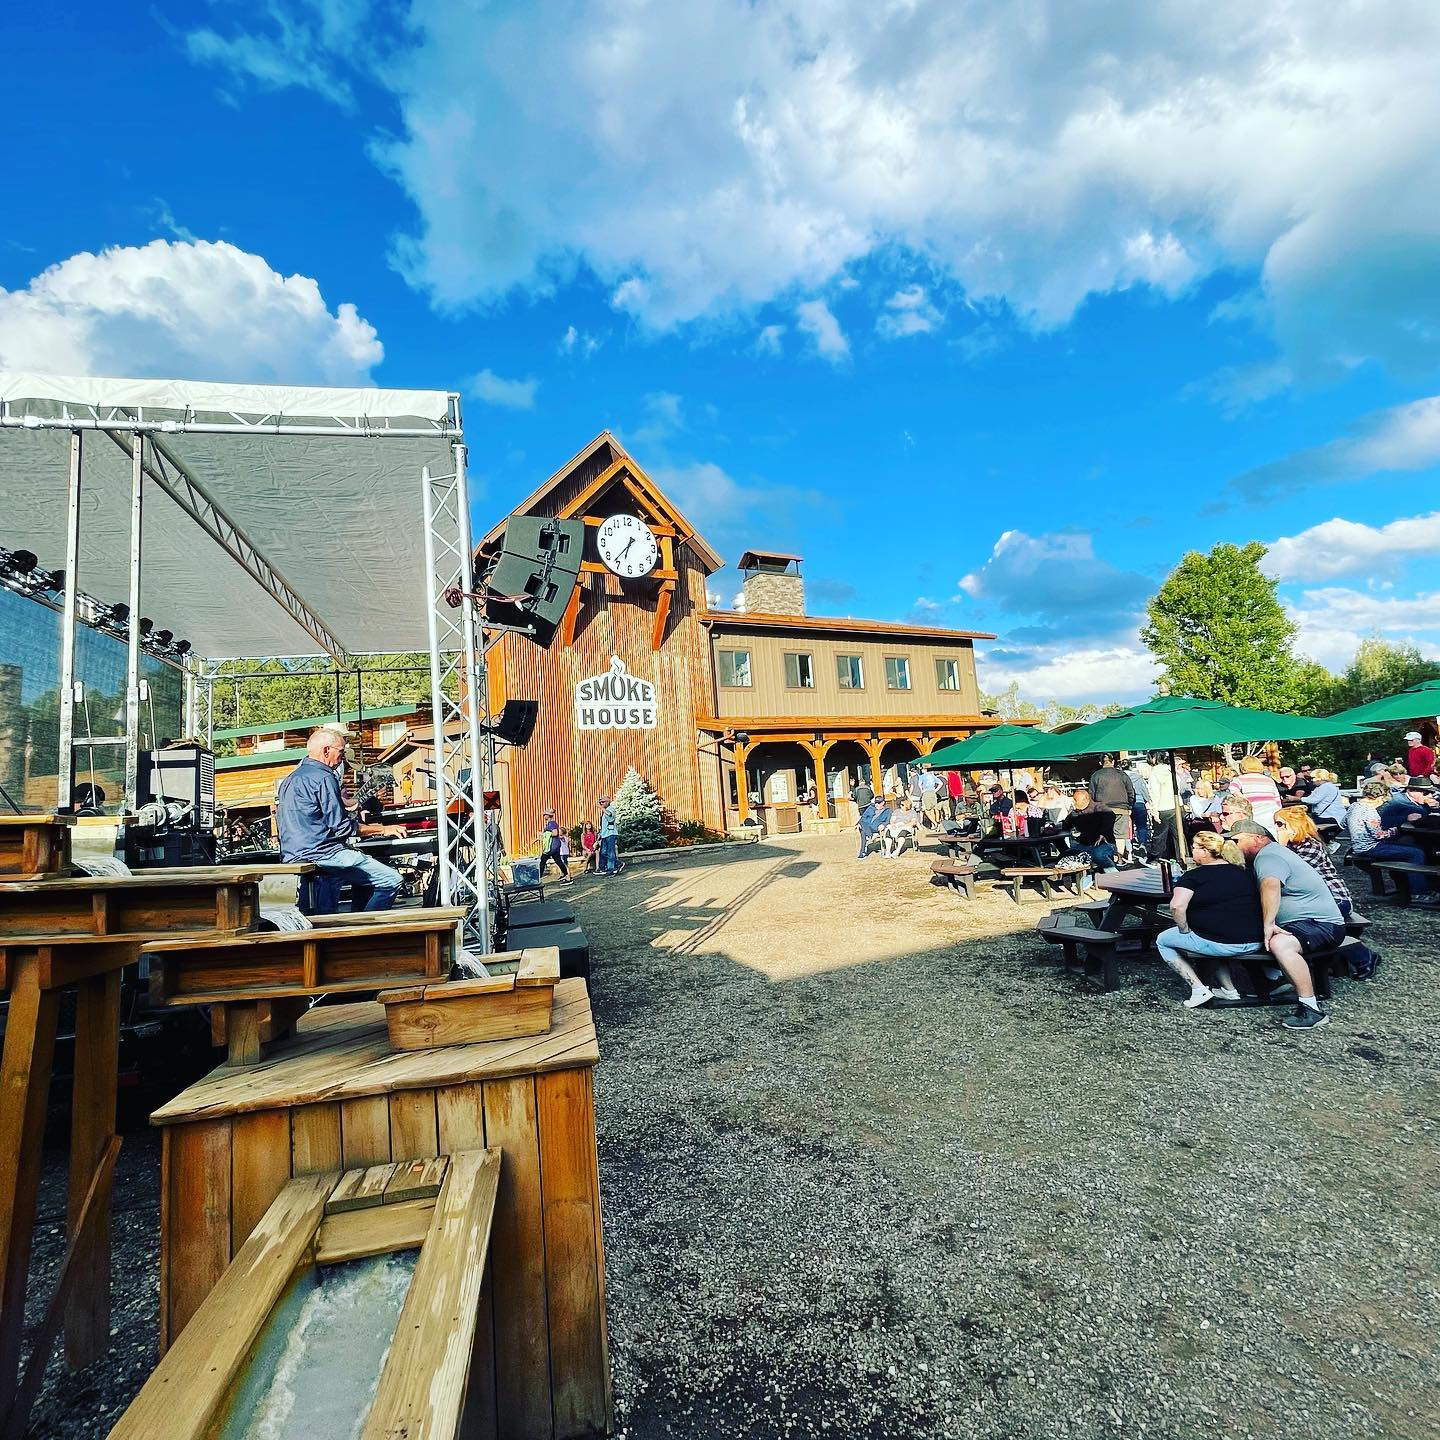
[280, 521]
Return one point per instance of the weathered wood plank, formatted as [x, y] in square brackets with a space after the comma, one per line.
[185, 1391]
[365, 1131]
[259, 1169]
[198, 1237]
[360, 1189]
[314, 1139]
[413, 1134]
[422, 1387]
[417, 1179]
[375, 1230]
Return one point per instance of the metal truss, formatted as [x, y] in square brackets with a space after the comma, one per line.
[469, 860]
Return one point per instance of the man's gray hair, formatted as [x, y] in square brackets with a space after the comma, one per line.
[325, 735]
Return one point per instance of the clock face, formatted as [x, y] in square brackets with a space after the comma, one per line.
[627, 546]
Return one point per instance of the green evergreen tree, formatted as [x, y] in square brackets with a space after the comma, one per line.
[638, 814]
[1219, 632]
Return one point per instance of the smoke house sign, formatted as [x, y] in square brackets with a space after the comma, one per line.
[616, 700]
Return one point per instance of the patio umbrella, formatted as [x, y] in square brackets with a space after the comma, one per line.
[1419, 702]
[1180, 722]
[1003, 742]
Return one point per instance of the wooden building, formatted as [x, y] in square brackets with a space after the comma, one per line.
[724, 712]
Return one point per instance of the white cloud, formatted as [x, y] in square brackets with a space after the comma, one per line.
[1346, 547]
[1103, 674]
[1055, 575]
[189, 309]
[495, 389]
[908, 312]
[705, 158]
[815, 319]
[1331, 621]
[726, 510]
[1405, 437]
[579, 342]
[767, 342]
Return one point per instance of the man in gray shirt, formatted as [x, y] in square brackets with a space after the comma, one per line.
[1299, 912]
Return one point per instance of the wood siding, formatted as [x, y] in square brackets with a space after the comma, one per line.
[768, 694]
[570, 769]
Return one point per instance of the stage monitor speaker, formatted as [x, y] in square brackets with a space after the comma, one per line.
[182, 772]
[517, 722]
[539, 559]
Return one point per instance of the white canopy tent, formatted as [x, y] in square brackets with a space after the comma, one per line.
[260, 521]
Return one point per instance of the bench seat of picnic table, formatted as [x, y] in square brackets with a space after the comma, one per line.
[1379, 869]
[1323, 965]
[956, 875]
[1048, 877]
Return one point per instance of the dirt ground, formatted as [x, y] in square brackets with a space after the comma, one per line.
[873, 1164]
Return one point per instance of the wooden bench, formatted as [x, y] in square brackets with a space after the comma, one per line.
[1098, 950]
[33, 847]
[1323, 965]
[956, 875]
[157, 901]
[1379, 869]
[1047, 877]
[258, 985]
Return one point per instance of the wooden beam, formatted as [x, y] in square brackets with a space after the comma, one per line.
[581, 502]
[374, 1230]
[662, 614]
[594, 567]
[572, 618]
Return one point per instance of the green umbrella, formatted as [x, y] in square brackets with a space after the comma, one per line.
[986, 747]
[1419, 702]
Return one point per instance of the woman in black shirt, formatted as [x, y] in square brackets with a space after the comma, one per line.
[1216, 908]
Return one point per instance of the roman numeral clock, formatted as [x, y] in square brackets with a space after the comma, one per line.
[627, 546]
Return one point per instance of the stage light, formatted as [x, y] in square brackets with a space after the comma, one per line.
[146, 625]
[54, 582]
[163, 637]
[119, 613]
[182, 647]
[22, 562]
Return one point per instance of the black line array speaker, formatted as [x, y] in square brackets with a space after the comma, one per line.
[517, 722]
[539, 559]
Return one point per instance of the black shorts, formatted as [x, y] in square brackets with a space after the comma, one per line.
[1315, 935]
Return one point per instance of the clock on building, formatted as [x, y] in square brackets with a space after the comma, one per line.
[627, 546]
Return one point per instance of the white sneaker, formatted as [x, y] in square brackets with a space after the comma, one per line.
[1201, 996]
[1227, 992]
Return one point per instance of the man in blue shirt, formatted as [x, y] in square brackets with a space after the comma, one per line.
[314, 826]
[609, 839]
[873, 819]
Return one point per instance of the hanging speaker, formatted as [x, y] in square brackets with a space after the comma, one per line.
[517, 722]
[536, 574]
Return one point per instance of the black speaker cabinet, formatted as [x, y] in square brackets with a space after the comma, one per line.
[183, 772]
[517, 722]
[539, 559]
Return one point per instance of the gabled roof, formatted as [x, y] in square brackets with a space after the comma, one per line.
[313, 722]
[840, 625]
[664, 507]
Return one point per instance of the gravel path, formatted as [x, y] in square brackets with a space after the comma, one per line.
[873, 1165]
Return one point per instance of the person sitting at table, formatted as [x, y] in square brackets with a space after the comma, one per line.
[1371, 840]
[900, 831]
[1286, 782]
[314, 825]
[1258, 788]
[1296, 831]
[1415, 807]
[1201, 799]
[1001, 811]
[1057, 804]
[1216, 909]
[1398, 777]
[1093, 830]
[1300, 916]
[1325, 801]
[1233, 809]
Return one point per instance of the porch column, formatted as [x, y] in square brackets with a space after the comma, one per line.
[816, 750]
[877, 776]
[742, 784]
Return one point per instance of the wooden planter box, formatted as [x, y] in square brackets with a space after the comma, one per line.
[462, 1012]
[336, 1097]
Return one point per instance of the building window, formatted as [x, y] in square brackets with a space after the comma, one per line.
[897, 672]
[947, 674]
[735, 668]
[390, 731]
[799, 672]
[849, 672]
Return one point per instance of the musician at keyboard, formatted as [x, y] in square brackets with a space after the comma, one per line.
[315, 827]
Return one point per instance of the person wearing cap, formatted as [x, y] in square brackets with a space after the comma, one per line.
[609, 838]
[1299, 915]
[1001, 810]
[1370, 839]
[1414, 807]
[1419, 758]
[553, 847]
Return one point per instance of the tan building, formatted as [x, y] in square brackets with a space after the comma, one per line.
[728, 712]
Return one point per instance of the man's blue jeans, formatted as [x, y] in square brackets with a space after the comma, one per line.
[1102, 854]
[354, 867]
[866, 836]
[609, 858]
[1406, 854]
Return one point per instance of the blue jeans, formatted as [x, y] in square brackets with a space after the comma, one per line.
[1102, 855]
[354, 867]
[1140, 819]
[609, 855]
[1407, 854]
[1170, 943]
[866, 836]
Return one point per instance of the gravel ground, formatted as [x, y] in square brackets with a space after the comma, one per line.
[873, 1165]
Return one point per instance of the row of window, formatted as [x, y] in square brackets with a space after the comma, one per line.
[735, 671]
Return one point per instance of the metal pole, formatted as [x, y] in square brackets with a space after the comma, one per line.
[65, 758]
[192, 698]
[437, 693]
[474, 674]
[1179, 811]
[132, 643]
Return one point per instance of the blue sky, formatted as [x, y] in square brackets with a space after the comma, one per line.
[990, 312]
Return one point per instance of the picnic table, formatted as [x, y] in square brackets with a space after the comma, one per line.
[1427, 837]
[1039, 851]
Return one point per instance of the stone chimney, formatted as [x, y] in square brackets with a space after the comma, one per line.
[772, 583]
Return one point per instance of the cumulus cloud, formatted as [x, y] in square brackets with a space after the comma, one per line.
[1331, 621]
[495, 389]
[908, 312]
[186, 309]
[767, 342]
[730, 511]
[1054, 575]
[707, 157]
[1121, 671]
[1405, 437]
[1346, 547]
[816, 320]
[579, 342]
